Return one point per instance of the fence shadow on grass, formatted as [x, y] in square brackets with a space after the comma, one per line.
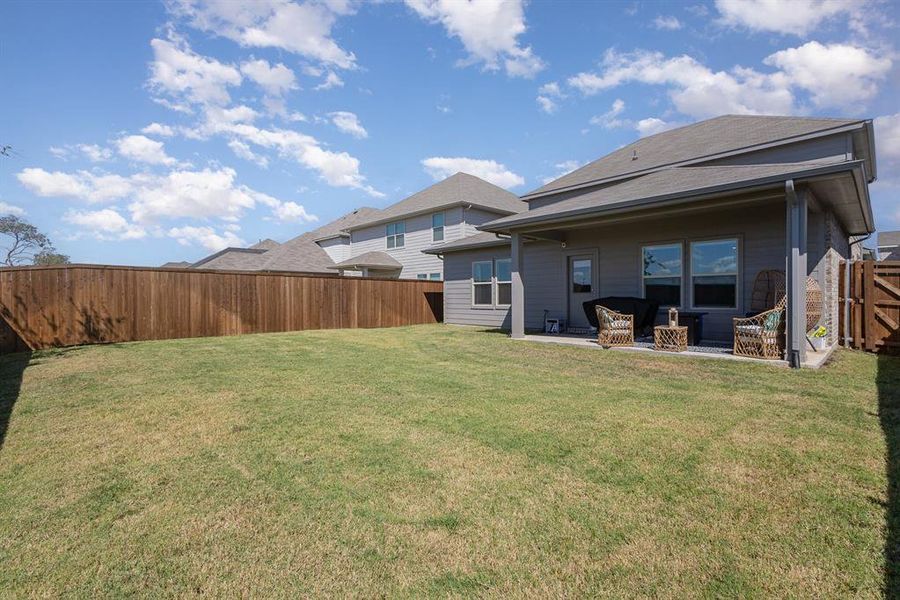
[12, 367]
[889, 414]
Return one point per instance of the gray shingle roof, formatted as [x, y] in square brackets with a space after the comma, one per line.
[371, 260]
[302, 253]
[266, 244]
[888, 238]
[660, 186]
[457, 189]
[479, 240]
[233, 259]
[700, 140]
[181, 264]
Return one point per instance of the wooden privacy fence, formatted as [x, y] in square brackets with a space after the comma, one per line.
[874, 305]
[44, 307]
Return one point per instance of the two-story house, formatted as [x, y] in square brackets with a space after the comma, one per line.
[688, 218]
[391, 243]
[375, 242]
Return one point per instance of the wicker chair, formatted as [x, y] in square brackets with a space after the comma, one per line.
[614, 328]
[761, 336]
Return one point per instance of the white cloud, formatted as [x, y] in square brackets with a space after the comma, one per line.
[206, 237]
[9, 209]
[179, 194]
[563, 168]
[609, 119]
[291, 212]
[158, 129]
[332, 80]
[654, 125]
[142, 149]
[668, 23]
[488, 30]
[349, 123]
[244, 151]
[105, 224]
[82, 185]
[694, 89]
[548, 105]
[439, 167]
[95, 153]
[797, 17]
[59, 152]
[835, 75]
[887, 138]
[276, 80]
[887, 149]
[338, 169]
[303, 29]
[186, 76]
[548, 95]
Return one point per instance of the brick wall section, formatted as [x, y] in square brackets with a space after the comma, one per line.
[837, 247]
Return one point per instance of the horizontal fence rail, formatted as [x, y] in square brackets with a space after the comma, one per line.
[871, 292]
[46, 307]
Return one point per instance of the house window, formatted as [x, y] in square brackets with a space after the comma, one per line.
[504, 281]
[395, 234]
[422, 276]
[482, 283]
[434, 276]
[437, 227]
[661, 274]
[714, 273]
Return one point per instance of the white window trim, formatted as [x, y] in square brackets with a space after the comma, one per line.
[387, 236]
[738, 292]
[644, 278]
[443, 227]
[438, 278]
[497, 283]
[483, 283]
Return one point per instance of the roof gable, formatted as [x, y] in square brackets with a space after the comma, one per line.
[696, 142]
[457, 189]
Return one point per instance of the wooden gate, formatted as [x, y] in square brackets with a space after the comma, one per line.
[874, 298]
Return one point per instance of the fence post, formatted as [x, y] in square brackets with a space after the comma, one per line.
[869, 304]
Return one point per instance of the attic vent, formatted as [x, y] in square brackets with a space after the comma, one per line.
[634, 155]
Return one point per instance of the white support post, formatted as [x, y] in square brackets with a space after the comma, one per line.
[795, 327]
[517, 309]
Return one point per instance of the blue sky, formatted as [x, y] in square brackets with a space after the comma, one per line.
[145, 132]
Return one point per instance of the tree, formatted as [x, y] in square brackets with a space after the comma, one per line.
[24, 243]
[45, 258]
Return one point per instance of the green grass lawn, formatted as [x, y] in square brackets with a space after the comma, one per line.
[434, 461]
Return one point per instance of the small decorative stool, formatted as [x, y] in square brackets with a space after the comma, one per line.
[670, 339]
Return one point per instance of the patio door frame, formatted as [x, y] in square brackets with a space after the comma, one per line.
[567, 254]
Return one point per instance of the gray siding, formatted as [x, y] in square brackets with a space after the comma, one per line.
[337, 249]
[830, 149]
[760, 230]
[459, 222]
[458, 307]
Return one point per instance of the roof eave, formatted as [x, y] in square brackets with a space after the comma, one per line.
[745, 150]
[425, 211]
[651, 201]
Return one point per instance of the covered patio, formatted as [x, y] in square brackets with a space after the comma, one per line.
[669, 235]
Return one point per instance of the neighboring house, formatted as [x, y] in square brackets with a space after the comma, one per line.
[687, 217]
[888, 246]
[312, 252]
[381, 243]
[394, 241]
